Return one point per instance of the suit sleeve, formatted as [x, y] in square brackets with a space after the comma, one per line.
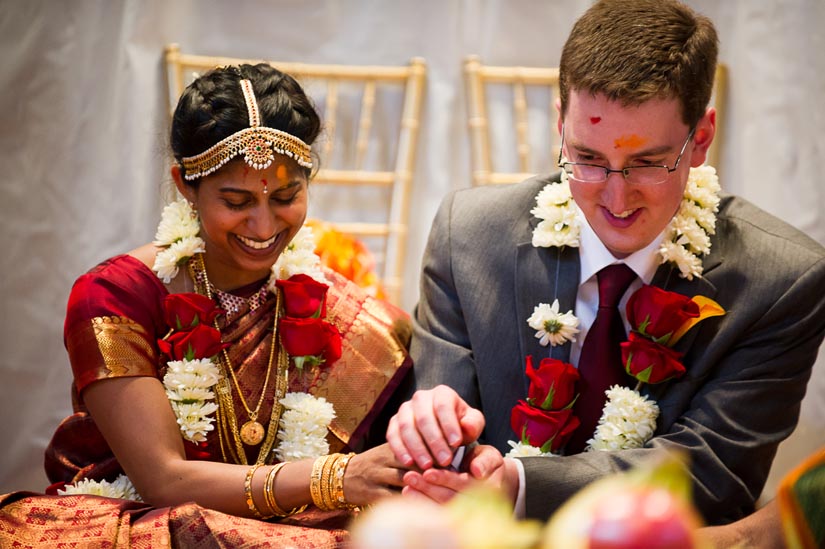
[440, 345]
[749, 377]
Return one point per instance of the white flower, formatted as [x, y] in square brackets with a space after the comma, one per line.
[194, 419]
[120, 488]
[552, 327]
[628, 421]
[303, 427]
[559, 225]
[188, 386]
[176, 223]
[519, 449]
[688, 264]
[299, 257]
[178, 253]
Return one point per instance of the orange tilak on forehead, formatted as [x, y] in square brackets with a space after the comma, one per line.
[280, 172]
[631, 140]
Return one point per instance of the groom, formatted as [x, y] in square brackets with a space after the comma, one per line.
[636, 78]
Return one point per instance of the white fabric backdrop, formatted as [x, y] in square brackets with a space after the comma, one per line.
[83, 140]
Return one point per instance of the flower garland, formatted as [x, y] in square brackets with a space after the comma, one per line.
[303, 427]
[657, 318]
[687, 236]
[120, 488]
[189, 380]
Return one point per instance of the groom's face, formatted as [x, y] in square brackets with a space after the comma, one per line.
[627, 217]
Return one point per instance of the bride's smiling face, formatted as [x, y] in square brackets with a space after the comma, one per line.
[245, 228]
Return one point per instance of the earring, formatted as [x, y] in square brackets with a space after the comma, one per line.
[193, 211]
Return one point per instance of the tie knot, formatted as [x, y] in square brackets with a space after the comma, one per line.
[614, 281]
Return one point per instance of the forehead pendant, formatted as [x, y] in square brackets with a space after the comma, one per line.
[257, 144]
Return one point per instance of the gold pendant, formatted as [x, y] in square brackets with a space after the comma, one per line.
[252, 433]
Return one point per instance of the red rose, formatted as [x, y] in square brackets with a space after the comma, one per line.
[552, 384]
[657, 313]
[649, 361]
[303, 337]
[202, 341]
[548, 430]
[183, 312]
[304, 296]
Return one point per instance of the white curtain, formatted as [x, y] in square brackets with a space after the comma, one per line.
[83, 146]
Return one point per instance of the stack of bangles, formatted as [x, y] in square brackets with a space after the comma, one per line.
[326, 484]
[326, 487]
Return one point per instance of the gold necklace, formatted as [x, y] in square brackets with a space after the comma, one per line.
[250, 433]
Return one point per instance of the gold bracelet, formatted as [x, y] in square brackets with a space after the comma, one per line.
[269, 491]
[247, 487]
[326, 477]
[338, 488]
[315, 482]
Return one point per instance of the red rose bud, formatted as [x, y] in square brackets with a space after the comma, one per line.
[548, 430]
[202, 341]
[658, 313]
[552, 384]
[303, 296]
[310, 336]
[185, 311]
[650, 362]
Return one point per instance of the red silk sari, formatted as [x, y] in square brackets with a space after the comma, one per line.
[113, 321]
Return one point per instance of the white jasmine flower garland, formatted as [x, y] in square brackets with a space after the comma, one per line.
[519, 449]
[120, 488]
[303, 427]
[628, 421]
[189, 383]
[188, 386]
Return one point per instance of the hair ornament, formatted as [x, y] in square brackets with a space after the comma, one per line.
[257, 143]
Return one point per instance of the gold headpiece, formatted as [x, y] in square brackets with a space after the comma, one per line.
[257, 143]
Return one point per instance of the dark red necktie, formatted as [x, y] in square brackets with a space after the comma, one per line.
[600, 362]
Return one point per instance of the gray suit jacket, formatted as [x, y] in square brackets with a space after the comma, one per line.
[746, 371]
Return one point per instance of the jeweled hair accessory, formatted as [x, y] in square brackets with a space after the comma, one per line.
[257, 143]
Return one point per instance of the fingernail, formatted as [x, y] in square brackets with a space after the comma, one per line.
[406, 459]
[444, 457]
[454, 439]
[424, 461]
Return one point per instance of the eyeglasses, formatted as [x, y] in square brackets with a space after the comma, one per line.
[633, 175]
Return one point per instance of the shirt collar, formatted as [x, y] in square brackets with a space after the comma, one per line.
[594, 255]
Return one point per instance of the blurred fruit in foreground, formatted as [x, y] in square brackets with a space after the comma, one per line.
[481, 518]
[646, 507]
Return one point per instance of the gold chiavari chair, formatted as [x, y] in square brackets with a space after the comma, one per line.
[371, 117]
[519, 139]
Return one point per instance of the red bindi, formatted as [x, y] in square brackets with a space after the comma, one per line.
[595, 119]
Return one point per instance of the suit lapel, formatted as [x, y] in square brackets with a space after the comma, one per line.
[541, 275]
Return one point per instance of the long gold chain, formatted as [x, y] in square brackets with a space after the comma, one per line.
[251, 432]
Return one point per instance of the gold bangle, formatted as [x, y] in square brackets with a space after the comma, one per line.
[326, 476]
[247, 487]
[338, 488]
[269, 491]
[315, 482]
[269, 494]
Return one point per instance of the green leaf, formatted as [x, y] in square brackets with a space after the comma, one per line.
[548, 402]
